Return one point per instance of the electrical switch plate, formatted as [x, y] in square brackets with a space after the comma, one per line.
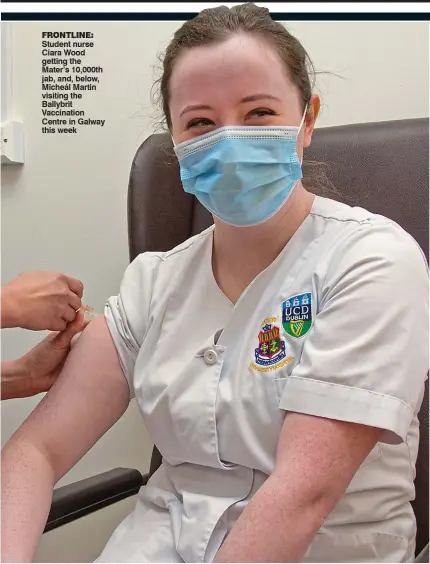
[12, 142]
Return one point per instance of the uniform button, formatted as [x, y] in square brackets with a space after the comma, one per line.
[210, 357]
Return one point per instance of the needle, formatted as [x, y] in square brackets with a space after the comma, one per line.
[88, 310]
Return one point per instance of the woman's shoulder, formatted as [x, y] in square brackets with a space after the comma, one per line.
[159, 268]
[343, 213]
[359, 233]
[179, 254]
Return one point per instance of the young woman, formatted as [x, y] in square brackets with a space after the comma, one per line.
[277, 357]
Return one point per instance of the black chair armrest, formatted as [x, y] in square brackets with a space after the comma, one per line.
[87, 496]
[423, 555]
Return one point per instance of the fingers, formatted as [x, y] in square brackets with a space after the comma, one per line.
[77, 335]
[69, 314]
[76, 286]
[74, 339]
[75, 295]
[58, 325]
[74, 302]
[65, 337]
[68, 330]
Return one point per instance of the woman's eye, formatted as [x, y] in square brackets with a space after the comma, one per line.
[199, 122]
[261, 112]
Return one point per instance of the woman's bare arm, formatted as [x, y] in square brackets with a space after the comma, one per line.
[316, 460]
[90, 395]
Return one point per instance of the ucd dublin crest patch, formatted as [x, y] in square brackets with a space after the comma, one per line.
[270, 353]
[297, 315]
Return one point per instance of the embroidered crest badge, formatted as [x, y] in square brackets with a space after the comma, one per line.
[270, 353]
[297, 315]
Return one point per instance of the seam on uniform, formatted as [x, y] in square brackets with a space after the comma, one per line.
[150, 304]
[411, 468]
[156, 254]
[350, 388]
[371, 225]
[174, 252]
[366, 221]
[363, 225]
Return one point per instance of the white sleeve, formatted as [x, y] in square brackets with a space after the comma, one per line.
[127, 314]
[365, 359]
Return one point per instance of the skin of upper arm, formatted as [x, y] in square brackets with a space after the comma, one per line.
[89, 396]
[320, 456]
[316, 460]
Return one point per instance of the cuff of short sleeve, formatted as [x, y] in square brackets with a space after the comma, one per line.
[115, 328]
[344, 403]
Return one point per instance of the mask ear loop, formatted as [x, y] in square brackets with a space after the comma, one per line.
[301, 125]
[303, 117]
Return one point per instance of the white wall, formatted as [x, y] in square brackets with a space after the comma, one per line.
[65, 209]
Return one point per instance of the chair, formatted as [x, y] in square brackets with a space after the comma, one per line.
[380, 166]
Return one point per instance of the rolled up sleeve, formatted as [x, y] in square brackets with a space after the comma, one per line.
[127, 314]
[365, 359]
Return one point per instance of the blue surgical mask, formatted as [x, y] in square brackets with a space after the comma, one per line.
[243, 175]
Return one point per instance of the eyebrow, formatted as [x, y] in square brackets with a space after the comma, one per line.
[196, 107]
[255, 97]
[251, 98]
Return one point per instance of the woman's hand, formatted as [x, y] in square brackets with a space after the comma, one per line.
[41, 300]
[36, 371]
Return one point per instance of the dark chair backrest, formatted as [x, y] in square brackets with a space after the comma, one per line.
[383, 167]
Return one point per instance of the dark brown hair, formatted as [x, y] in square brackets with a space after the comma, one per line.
[214, 25]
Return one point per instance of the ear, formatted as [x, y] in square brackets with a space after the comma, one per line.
[310, 119]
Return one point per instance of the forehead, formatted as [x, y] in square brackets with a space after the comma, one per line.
[228, 71]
